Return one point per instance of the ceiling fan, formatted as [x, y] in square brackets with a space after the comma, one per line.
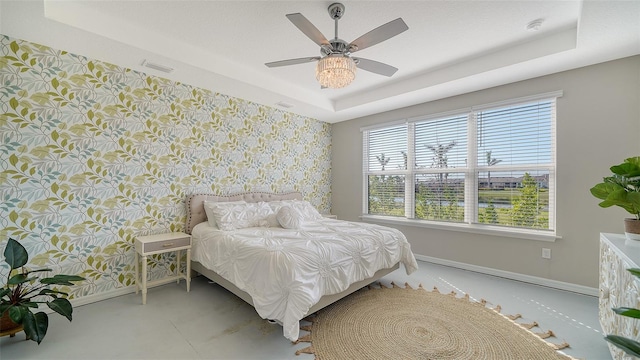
[336, 67]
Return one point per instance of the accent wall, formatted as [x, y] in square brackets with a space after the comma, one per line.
[94, 154]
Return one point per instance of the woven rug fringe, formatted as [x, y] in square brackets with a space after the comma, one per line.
[564, 345]
[306, 338]
[307, 350]
[306, 327]
[514, 317]
[435, 289]
[529, 326]
[546, 334]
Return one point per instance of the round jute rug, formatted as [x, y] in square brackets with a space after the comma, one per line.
[403, 323]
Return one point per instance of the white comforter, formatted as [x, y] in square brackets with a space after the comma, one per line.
[287, 271]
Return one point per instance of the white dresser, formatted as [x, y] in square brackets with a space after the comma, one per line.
[618, 288]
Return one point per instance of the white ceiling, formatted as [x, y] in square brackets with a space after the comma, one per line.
[451, 47]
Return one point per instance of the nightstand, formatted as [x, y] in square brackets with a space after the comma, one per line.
[158, 244]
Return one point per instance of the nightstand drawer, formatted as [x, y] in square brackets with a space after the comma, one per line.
[165, 244]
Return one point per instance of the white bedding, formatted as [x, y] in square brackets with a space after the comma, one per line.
[286, 271]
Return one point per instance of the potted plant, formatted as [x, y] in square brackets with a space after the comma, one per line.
[20, 296]
[622, 189]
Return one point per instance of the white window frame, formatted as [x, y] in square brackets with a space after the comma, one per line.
[470, 223]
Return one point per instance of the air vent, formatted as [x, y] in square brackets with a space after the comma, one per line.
[155, 66]
[284, 104]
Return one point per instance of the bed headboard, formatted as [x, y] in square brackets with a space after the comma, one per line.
[195, 203]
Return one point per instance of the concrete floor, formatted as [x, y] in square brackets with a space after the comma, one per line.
[211, 323]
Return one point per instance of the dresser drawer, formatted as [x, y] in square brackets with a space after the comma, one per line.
[165, 244]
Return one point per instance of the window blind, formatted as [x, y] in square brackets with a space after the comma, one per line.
[441, 143]
[387, 148]
[492, 164]
[519, 135]
[440, 161]
[515, 165]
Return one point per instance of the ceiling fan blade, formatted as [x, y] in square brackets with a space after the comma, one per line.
[375, 67]
[379, 34]
[308, 29]
[292, 61]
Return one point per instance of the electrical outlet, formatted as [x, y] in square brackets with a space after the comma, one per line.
[546, 253]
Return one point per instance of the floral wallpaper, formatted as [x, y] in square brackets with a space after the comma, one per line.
[93, 154]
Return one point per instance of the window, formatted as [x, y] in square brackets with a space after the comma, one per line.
[490, 166]
[387, 159]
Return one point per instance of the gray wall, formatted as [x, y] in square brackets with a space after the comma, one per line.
[598, 123]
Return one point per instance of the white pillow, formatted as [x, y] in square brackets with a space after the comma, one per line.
[239, 216]
[306, 210]
[289, 218]
[276, 205]
[208, 209]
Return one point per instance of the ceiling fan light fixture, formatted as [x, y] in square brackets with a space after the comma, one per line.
[335, 71]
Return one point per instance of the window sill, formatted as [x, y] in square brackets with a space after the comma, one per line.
[547, 236]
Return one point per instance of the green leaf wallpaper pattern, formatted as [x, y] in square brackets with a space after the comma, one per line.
[93, 154]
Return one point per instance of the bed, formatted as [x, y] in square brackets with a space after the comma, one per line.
[288, 273]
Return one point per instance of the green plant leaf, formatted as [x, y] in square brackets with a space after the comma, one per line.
[35, 326]
[19, 279]
[629, 346]
[629, 168]
[628, 312]
[38, 270]
[635, 271]
[17, 313]
[603, 189]
[15, 254]
[4, 291]
[4, 307]
[61, 279]
[30, 304]
[62, 307]
[634, 200]
[618, 197]
[50, 292]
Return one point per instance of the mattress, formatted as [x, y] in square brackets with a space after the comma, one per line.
[286, 271]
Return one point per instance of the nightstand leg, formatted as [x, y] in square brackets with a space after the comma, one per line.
[137, 259]
[144, 280]
[178, 256]
[188, 269]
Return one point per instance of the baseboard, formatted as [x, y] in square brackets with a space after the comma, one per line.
[103, 296]
[580, 289]
[114, 293]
